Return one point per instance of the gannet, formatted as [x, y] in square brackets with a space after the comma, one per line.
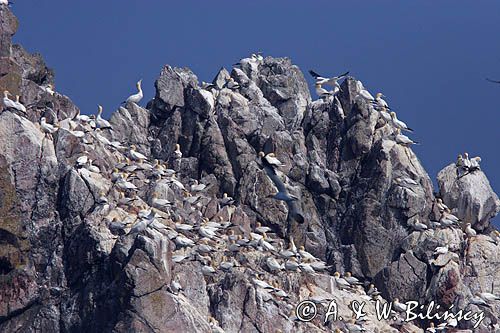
[226, 200]
[373, 291]
[273, 264]
[441, 250]
[270, 160]
[231, 84]
[196, 187]
[291, 265]
[225, 264]
[208, 269]
[466, 160]
[182, 241]
[479, 301]
[135, 98]
[7, 102]
[474, 163]
[91, 167]
[440, 205]
[381, 102]
[10, 104]
[125, 185]
[351, 279]
[332, 81]
[283, 195]
[363, 92]
[49, 89]
[19, 106]
[260, 229]
[405, 182]
[319, 265]
[177, 151]
[341, 282]
[494, 81]
[399, 307]
[47, 128]
[175, 287]
[322, 92]
[82, 160]
[398, 123]
[469, 231]
[419, 226]
[489, 297]
[306, 268]
[81, 117]
[403, 139]
[304, 254]
[101, 122]
[135, 155]
[160, 203]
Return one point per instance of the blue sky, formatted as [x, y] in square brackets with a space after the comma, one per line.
[430, 58]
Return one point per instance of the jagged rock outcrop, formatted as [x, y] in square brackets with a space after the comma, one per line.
[71, 261]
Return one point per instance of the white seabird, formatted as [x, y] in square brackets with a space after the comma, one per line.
[469, 231]
[332, 81]
[474, 163]
[403, 139]
[135, 155]
[363, 92]
[135, 98]
[341, 282]
[47, 128]
[398, 306]
[81, 117]
[270, 160]
[177, 151]
[322, 92]
[398, 123]
[380, 101]
[489, 297]
[441, 250]
[101, 122]
[10, 104]
[19, 106]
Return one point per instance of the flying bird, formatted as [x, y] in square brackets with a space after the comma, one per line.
[494, 81]
[283, 195]
[332, 81]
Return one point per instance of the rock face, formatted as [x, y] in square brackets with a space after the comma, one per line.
[71, 261]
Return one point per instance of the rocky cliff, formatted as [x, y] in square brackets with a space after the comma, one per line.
[96, 238]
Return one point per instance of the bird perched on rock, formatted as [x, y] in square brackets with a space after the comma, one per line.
[10, 104]
[469, 231]
[270, 160]
[398, 123]
[135, 98]
[101, 122]
[177, 152]
[46, 127]
[135, 155]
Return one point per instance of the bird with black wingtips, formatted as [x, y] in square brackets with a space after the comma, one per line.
[494, 81]
[332, 81]
[283, 195]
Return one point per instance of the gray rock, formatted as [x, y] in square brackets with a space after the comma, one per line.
[471, 196]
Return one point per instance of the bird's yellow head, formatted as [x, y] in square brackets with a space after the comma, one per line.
[393, 114]
[261, 154]
[99, 108]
